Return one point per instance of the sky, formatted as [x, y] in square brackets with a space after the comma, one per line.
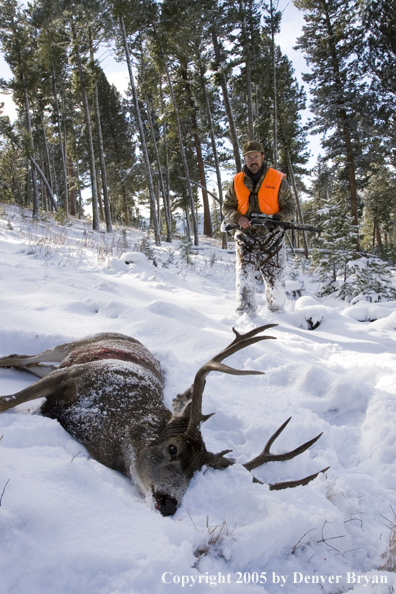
[292, 22]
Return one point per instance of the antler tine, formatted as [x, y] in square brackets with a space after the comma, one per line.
[240, 342]
[266, 455]
[290, 484]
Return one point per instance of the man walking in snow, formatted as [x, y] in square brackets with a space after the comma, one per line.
[259, 189]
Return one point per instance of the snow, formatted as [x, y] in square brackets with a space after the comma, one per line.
[72, 526]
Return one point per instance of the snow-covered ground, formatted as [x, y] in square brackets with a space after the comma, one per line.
[72, 526]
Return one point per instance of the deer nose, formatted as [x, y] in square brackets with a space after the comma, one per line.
[166, 505]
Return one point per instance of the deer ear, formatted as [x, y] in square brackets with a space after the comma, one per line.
[218, 461]
[180, 404]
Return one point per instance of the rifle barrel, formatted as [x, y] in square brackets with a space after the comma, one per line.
[283, 224]
[258, 220]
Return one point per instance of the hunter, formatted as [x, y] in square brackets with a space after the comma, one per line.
[259, 189]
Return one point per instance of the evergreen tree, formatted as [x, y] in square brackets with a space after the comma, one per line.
[55, 104]
[379, 21]
[119, 147]
[19, 50]
[335, 248]
[272, 21]
[378, 61]
[341, 102]
[370, 280]
[12, 172]
[380, 212]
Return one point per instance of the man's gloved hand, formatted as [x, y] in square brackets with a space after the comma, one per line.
[244, 222]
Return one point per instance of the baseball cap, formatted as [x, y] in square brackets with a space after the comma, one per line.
[252, 147]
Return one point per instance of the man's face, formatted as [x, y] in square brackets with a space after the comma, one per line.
[254, 161]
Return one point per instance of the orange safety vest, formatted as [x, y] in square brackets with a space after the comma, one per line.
[267, 195]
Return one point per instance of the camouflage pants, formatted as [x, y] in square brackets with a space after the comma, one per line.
[267, 253]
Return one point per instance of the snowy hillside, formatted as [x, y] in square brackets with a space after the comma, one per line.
[69, 525]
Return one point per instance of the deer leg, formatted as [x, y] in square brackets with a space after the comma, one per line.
[39, 364]
[59, 384]
[38, 369]
[54, 355]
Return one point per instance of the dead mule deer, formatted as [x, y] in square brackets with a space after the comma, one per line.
[107, 393]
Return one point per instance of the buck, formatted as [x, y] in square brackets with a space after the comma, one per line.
[107, 393]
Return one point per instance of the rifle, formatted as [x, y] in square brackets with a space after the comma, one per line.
[263, 220]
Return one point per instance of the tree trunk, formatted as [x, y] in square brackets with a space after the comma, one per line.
[124, 202]
[72, 188]
[47, 156]
[378, 236]
[37, 168]
[182, 149]
[36, 200]
[246, 51]
[227, 103]
[187, 218]
[15, 177]
[65, 175]
[167, 169]
[80, 205]
[141, 134]
[291, 171]
[161, 178]
[62, 148]
[215, 155]
[208, 231]
[109, 226]
[351, 173]
[100, 202]
[92, 166]
[275, 93]
[44, 200]
[102, 160]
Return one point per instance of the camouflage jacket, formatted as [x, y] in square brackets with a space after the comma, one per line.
[285, 200]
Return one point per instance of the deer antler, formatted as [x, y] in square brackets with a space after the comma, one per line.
[266, 455]
[240, 342]
[298, 483]
[196, 417]
[220, 462]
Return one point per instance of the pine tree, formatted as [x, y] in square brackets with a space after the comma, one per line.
[341, 101]
[53, 80]
[19, 50]
[142, 134]
[370, 280]
[335, 246]
[378, 61]
[379, 22]
[380, 211]
[12, 172]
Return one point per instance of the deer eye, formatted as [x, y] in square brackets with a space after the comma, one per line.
[172, 450]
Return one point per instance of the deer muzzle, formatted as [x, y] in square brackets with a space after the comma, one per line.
[166, 504]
